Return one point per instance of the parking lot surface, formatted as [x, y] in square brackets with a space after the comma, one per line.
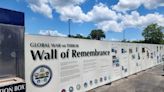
[150, 80]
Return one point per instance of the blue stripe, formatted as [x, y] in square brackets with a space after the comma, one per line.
[11, 17]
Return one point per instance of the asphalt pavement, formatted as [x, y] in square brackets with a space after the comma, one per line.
[150, 80]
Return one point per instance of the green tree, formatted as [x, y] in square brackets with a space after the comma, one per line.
[79, 36]
[153, 34]
[97, 34]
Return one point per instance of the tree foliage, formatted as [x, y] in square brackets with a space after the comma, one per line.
[153, 34]
[79, 36]
[97, 34]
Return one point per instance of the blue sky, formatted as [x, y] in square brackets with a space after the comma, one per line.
[113, 16]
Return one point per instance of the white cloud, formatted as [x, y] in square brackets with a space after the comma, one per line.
[26, 33]
[136, 20]
[103, 17]
[125, 5]
[71, 12]
[63, 3]
[101, 12]
[151, 4]
[110, 26]
[68, 9]
[51, 33]
[114, 39]
[133, 20]
[41, 6]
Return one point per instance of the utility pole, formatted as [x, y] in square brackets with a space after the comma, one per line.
[49, 34]
[69, 27]
[124, 36]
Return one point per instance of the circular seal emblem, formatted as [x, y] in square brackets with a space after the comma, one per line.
[101, 79]
[78, 86]
[71, 89]
[91, 82]
[105, 78]
[41, 76]
[96, 81]
[63, 90]
[85, 85]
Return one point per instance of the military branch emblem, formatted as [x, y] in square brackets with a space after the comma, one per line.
[41, 76]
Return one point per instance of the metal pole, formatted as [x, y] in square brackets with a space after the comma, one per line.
[163, 61]
[124, 36]
[69, 27]
[49, 34]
